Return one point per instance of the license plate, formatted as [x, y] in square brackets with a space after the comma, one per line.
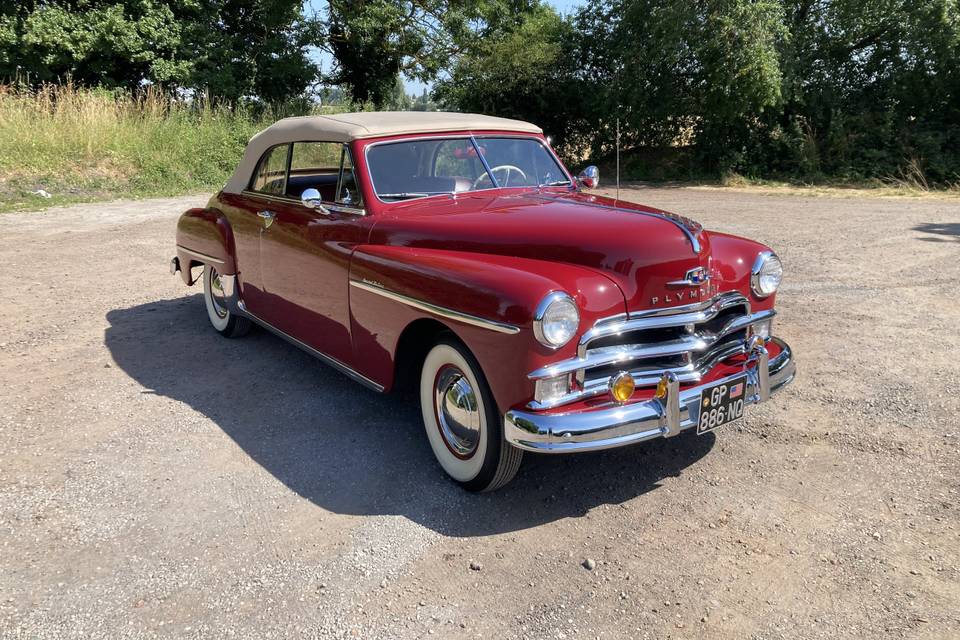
[721, 403]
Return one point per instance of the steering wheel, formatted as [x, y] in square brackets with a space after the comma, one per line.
[508, 168]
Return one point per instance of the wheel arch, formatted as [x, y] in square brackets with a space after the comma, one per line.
[204, 235]
[415, 341]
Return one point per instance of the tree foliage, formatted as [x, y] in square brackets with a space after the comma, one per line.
[796, 88]
[518, 67]
[227, 48]
[373, 41]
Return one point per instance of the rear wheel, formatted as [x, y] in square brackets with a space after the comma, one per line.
[223, 320]
[463, 424]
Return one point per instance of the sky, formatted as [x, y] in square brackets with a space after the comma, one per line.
[414, 87]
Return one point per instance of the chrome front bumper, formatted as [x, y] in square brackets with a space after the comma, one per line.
[618, 426]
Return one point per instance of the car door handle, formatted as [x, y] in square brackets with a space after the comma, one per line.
[268, 217]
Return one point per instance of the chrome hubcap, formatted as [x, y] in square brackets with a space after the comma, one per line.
[458, 413]
[217, 296]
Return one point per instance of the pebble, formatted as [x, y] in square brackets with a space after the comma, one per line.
[475, 566]
[589, 564]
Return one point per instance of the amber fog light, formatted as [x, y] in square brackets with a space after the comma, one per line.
[621, 386]
[661, 392]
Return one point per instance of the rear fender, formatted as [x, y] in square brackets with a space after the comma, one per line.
[204, 236]
[392, 287]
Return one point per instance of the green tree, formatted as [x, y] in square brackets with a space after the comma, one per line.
[870, 88]
[252, 48]
[423, 102]
[372, 41]
[397, 99]
[108, 43]
[229, 48]
[520, 65]
[700, 70]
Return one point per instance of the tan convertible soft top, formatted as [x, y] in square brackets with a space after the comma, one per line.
[346, 127]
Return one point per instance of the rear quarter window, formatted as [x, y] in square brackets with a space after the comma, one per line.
[271, 174]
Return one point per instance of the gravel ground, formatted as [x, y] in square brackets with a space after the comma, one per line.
[157, 480]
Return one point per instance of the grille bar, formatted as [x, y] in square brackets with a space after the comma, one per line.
[672, 317]
[685, 341]
[605, 356]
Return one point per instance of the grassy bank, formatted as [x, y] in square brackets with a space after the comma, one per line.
[82, 145]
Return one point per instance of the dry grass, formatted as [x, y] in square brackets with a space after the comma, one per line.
[82, 145]
[911, 183]
[79, 144]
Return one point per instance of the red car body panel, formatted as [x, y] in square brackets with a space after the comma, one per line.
[208, 233]
[494, 287]
[491, 254]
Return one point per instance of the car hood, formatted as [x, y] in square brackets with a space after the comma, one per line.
[642, 249]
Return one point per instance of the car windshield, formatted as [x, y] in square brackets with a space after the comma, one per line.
[424, 167]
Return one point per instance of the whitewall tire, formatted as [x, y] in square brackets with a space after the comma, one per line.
[223, 320]
[461, 419]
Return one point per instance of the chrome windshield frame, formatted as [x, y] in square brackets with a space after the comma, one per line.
[473, 139]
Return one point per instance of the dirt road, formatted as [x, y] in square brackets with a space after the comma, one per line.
[157, 480]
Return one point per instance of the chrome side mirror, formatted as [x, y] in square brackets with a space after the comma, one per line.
[589, 177]
[311, 200]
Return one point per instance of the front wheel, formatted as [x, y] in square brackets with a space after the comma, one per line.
[223, 320]
[462, 421]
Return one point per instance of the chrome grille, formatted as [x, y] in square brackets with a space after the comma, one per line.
[687, 341]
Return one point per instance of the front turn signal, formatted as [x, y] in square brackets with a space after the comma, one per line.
[622, 387]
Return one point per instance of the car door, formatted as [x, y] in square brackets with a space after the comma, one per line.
[247, 213]
[305, 252]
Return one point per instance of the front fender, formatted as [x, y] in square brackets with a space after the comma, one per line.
[733, 259]
[500, 289]
[204, 235]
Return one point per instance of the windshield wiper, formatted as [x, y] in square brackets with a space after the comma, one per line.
[405, 195]
[555, 183]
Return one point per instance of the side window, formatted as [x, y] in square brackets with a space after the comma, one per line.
[314, 165]
[271, 173]
[347, 192]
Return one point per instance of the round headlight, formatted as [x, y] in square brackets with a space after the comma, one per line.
[766, 274]
[556, 320]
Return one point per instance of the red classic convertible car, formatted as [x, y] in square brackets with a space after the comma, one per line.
[454, 254]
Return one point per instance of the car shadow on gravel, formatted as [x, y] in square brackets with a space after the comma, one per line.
[942, 231]
[350, 450]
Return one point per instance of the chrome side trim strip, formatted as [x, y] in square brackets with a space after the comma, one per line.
[437, 310]
[332, 206]
[330, 360]
[202, 256]
[235, 305]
